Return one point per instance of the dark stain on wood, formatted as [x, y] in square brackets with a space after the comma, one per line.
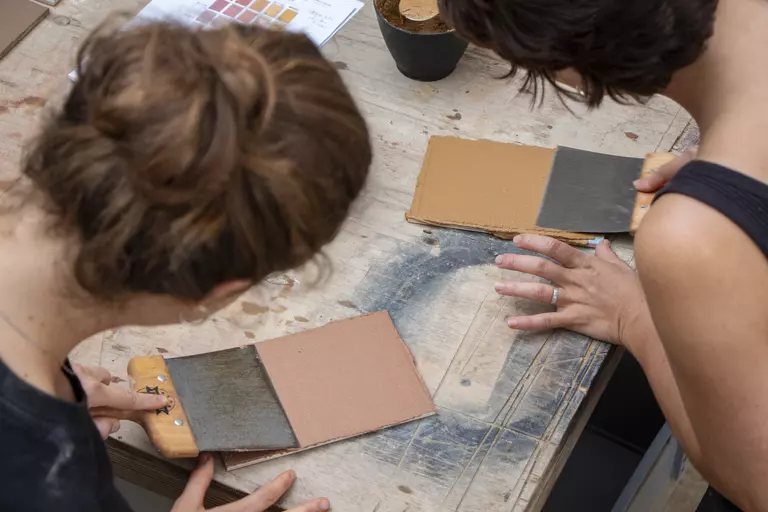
[443, 446]
[348, 304]
[430, 239]
[249, 335]
[632, 135]
[115, 379]
[253, 309]
[120, 348]
[405, 489]
[301, 319]
[279, 308]
[29, 101]
[455, 117]
[340, 65]
[33, 101]
[161, 350]
[407, 281]
[388, 446]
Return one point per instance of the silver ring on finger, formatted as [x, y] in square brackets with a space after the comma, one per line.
[555, 296]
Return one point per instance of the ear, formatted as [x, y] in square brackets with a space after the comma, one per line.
[225, 293]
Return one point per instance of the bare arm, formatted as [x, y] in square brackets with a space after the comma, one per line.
[646, 346]
[601, 297]
[706, 284]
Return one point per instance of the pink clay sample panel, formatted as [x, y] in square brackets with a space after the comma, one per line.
[342, 380]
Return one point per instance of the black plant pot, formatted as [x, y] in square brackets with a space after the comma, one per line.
[422, 56]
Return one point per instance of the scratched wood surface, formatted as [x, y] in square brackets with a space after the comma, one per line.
[509, 402]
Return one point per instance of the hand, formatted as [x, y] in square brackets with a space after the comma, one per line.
[108, 404]
[191, 500]
[666, 172]
[599, 295]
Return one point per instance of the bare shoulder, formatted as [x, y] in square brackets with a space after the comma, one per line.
[704, 278]
[682, 238]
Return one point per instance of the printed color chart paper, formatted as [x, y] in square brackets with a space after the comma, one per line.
[318, 19]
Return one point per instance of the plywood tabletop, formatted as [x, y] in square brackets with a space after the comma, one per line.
[510, 403]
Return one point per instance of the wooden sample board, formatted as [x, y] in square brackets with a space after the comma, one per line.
[485, 186]
[510, 404]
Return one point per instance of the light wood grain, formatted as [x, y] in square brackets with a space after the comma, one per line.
[509, 403]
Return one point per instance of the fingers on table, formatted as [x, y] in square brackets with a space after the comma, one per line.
[265, 497]
[539, 292]
[262, 499]
[542, 322]
[106, 426]
[604, 252]
[561, 252]
[531, 265]
[318, 505]
[199, 481]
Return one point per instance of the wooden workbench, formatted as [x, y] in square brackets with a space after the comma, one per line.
[510, 404]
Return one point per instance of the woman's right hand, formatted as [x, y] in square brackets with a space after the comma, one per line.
[598, 295]
[665, 173]
[191, 500]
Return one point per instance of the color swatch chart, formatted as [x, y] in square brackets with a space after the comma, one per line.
[318, 19]
[262, 12]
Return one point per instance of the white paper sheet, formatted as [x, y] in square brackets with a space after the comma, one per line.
[318, 19]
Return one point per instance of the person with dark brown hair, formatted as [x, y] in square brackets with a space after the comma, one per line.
[184, 167]
[695, 314]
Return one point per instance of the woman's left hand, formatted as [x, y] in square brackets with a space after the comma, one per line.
[101, 396]
[599, 296]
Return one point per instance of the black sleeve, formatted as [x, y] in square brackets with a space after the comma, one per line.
[744, 200]
[53, 458]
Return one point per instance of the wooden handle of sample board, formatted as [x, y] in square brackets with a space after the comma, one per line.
[168, 428]
[643, 200]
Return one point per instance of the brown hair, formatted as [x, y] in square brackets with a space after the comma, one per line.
[623, 49]
[186, 158]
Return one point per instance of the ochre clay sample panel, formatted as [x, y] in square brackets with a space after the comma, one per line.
[17, 17]
[485, 186]
[342, 380]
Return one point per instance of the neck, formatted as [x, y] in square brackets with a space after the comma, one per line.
[41, 317]
[725, 89]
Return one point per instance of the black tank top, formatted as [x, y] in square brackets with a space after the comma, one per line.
[739, 197]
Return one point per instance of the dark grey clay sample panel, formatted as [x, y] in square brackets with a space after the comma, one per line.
[590, 192]
[230, 401]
